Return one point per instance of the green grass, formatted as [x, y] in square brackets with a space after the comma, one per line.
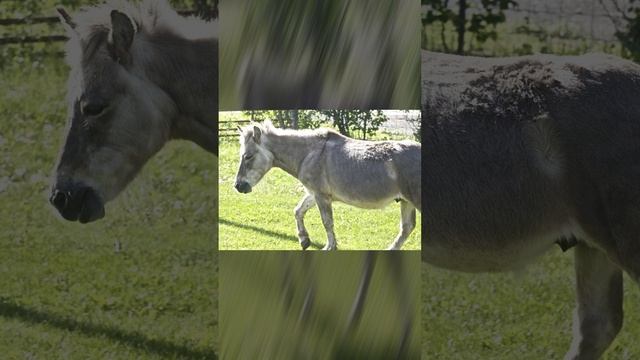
[64, 290]
[263, 219]
[506, 316]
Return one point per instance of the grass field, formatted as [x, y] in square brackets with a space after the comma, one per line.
[263, 219]
[64, 290]
[514, 315]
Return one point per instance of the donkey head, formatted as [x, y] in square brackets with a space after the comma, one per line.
[118, 118]
[255, 158]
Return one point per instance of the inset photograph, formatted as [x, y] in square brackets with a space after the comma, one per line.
[332, 54]
[330, 179]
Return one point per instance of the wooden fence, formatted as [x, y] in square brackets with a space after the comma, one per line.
[37, 19]
[229, 128]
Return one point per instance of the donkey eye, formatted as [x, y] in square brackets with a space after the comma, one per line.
[248, 156]
[92, 109]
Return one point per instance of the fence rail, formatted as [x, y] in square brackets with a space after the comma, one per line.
[34, 20]
[228, 128]
[32, 39]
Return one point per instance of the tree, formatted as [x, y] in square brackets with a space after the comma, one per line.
[356, 123]
[485, 15]
[294, 119]
[206, 9]
[627, 24]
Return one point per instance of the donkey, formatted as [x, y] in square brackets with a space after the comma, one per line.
[332, 167]
[140, 76]
[530, 151]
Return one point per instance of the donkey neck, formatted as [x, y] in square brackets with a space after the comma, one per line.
[289, 150]
[187, 70]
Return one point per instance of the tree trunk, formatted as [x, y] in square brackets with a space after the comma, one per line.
[293, 115]
[281, 118]
[462, 20]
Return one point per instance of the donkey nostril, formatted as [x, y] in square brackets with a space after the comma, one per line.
[59, 199]
[243, 187]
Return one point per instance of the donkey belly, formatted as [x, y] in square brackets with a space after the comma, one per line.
[495, 229]
[487, 253]
[479, 227]
[366, 184]
[491, 201]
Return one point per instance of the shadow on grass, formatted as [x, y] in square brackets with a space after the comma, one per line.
[271, 233]
[10, 310]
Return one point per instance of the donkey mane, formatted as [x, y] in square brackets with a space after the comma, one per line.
[150, 17]
[267, 128]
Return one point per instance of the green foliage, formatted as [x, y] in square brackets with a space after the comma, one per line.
[358, 124]
[416, 126]
[481, 25]
[46, 7]
[292, 119]
[629, 35]
[525, 38]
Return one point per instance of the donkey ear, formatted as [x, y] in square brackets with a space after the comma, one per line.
[256, 134]
[66, 20]
[121, 36]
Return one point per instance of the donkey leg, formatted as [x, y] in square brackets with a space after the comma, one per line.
[326, 213]
[598, 314]
[407, 224]
[303, 206]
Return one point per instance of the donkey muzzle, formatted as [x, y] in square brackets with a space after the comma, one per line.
[77, 202]
[243, 187]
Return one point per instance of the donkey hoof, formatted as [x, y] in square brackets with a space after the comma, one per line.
[305, 243]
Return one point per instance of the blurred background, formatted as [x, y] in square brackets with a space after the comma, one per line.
[142, 282]
[526, 315]
[289, 54]
[521, 27]
[263, 313]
